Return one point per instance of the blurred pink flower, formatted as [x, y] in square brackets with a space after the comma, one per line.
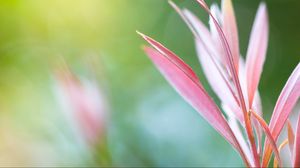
[86, 104]
[234, 80]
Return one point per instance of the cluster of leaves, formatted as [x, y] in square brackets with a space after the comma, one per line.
[235, 81]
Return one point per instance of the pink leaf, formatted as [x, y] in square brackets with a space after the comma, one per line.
[230, 30]
[208, 56]
[297, 145]
[174, 70]
[284, 105]
[256, 53]
[286, 101]
[191, 90]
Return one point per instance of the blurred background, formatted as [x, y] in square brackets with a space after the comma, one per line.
[93, 44]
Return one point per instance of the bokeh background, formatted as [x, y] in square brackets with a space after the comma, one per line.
[149, 124]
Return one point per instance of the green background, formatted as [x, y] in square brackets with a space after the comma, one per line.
[150, 124]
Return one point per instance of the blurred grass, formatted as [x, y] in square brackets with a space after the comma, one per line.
[151, 125]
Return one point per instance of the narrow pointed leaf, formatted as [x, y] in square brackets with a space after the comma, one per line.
[286, 101]
[230, 30]
[284, 105]
[193, 92]
[256, 53]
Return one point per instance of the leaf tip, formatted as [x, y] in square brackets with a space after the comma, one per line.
[142, 35]
[263, 9]
[139, 33]
[171, 3]
[175, 7]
